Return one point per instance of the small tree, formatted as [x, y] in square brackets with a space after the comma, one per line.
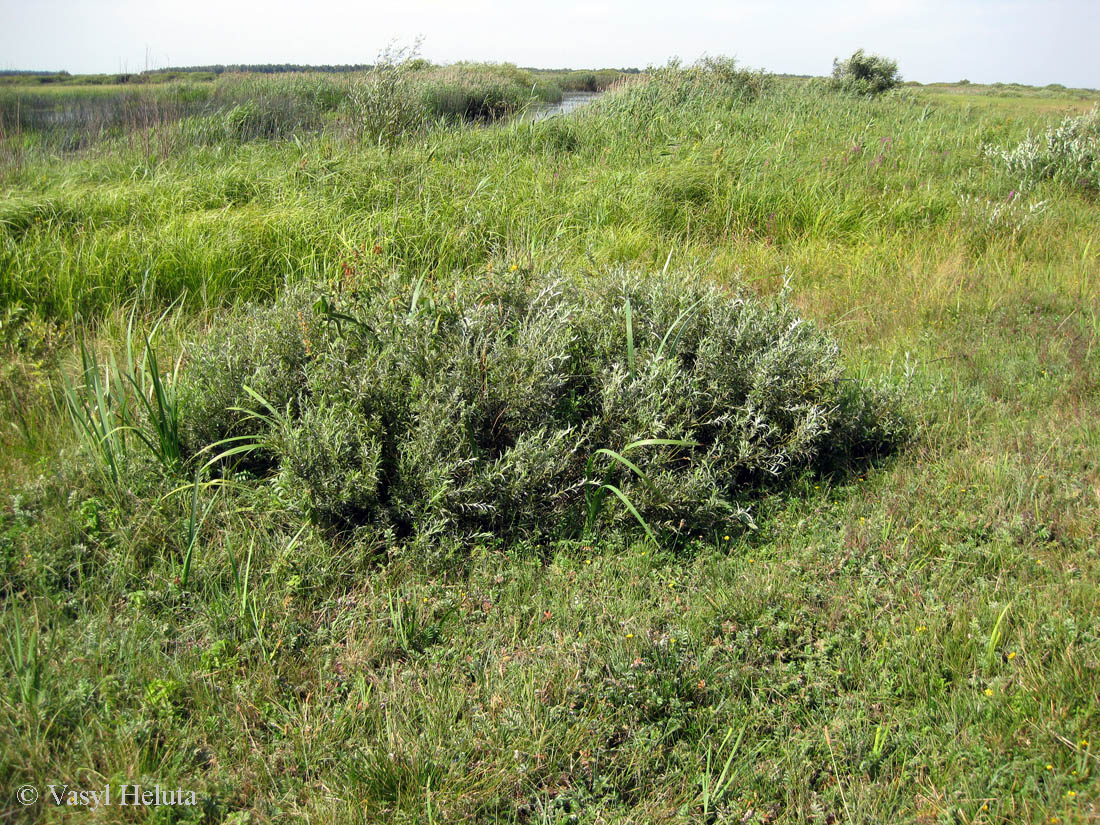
[865, 74]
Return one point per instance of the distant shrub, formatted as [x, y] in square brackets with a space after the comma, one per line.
[473, 93]
[267, 117]
[320, 91]
[483, 411]
[720, 75]
[713, 81]
[547, 91]
[582, 81]
[382, 104]
[189, 93]
[585, 82]
[1069, 152]
[261, 119]
[865, 74]
[402, 95]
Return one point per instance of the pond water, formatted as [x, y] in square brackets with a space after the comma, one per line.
[569, 102]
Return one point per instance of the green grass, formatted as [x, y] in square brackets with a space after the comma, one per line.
[917, 643]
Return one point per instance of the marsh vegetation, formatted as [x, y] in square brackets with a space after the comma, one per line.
[723, 451]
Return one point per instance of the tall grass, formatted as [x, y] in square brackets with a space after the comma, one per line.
[399, 95]
[70, 118]
[849, 655]
[113, 407]
[98, 404]
[216, 228]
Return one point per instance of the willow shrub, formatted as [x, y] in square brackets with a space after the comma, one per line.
[1068, 152]
[490, 410]
[865, 74]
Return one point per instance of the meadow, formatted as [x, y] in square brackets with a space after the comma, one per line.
[772, 494]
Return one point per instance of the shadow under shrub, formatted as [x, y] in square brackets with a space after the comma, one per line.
[480, 411]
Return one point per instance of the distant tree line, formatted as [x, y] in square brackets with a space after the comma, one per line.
[191, 73]
[23, 72]
[631, 70]
[265, 68]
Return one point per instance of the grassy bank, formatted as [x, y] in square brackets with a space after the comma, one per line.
[188, 108]
[909, 639]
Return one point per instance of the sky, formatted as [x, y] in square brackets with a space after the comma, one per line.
[985, 41]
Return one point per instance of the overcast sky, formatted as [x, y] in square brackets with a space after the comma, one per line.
[1026, 41]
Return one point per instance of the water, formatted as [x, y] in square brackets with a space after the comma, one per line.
[569, 102]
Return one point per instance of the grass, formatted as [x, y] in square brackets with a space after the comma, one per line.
[914, 643]
[160, 117]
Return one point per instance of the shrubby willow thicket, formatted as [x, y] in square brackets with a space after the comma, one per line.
[1069, 152]
[374, 448]
[865, 74]
[476, 414]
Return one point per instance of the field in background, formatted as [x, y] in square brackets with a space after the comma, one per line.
[186, 107]
[919, 642]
